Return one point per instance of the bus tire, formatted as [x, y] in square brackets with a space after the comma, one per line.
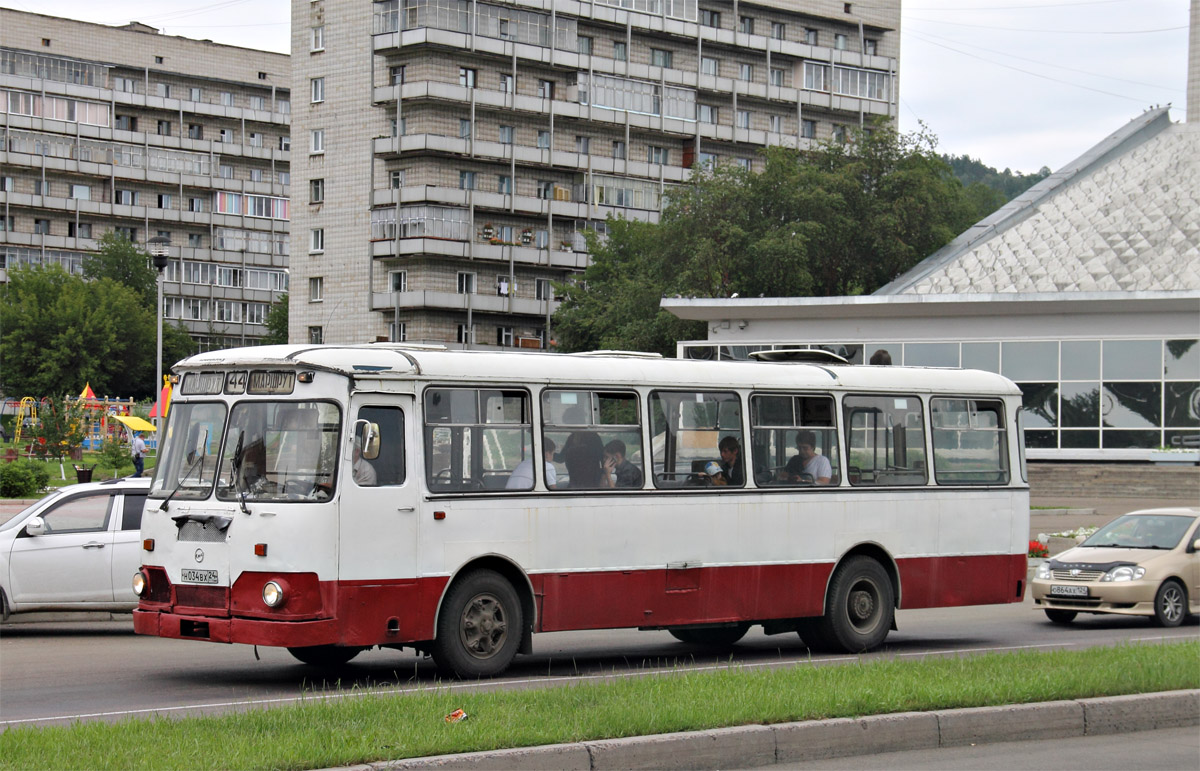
[1059, 616]
[1170, 604]
[861, 606]
[713, 637]
[325, 655]
[480, 626]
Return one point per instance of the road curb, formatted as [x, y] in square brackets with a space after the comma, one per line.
[765, 745]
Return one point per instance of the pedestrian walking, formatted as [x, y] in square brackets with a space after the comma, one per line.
[139, 454]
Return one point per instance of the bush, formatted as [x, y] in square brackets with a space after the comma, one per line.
[114, 454]
[22, 479]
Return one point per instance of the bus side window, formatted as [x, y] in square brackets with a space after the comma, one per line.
[969, 442]
[794, 440]
[598, 439]
[687, 429]
[389, 466]
[474, 437]
[885, 440]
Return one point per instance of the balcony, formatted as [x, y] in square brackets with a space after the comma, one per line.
[451, 301]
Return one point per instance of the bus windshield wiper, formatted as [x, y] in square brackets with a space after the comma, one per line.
[197, 462]
[235, 468]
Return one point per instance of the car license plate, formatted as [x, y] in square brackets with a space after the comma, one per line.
[1069, 591]
[200, 576]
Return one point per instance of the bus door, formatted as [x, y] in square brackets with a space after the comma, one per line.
[378, 519]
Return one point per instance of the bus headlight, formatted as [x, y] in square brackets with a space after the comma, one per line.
[272, 594]
[139, 583]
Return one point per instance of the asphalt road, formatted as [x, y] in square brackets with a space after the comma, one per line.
[53, 672]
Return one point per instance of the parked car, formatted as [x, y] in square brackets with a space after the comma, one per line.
[75, 549]
[1145, 563]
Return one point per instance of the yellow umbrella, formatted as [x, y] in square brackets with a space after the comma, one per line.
[135, 423]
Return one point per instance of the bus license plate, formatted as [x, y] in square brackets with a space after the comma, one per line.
[1069, 591]
[200, 576]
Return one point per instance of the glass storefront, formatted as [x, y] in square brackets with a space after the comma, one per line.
[1079, 394]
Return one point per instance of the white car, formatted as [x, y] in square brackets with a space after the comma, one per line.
[75, 549]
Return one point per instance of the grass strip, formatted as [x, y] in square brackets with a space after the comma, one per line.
[375, 726]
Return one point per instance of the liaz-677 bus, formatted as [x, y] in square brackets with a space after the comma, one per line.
[329, 499]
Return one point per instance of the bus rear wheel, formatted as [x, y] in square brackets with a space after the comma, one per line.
[859, 611]
[713, 637]
[480, 626]
[325, 655]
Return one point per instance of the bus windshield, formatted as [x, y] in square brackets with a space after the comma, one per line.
[189, 461]
[280, 451]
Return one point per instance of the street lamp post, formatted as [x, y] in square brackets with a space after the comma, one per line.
[160, 247]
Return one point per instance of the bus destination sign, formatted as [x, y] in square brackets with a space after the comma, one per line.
[271, 383]
[198, 383]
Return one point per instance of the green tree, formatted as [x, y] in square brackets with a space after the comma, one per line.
[60, 428]
[842, 219]
[277, 322]
[122, 261]
[59, 331]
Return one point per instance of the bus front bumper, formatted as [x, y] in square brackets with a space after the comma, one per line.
[247, 631]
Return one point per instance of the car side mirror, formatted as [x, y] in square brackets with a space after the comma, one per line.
[36, 526]
[1196, 545]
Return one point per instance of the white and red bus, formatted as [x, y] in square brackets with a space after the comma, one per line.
[333, 498]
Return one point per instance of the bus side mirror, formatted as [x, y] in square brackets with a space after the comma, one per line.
[369, 440]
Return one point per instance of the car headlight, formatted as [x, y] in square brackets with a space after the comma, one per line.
[1124, 573]
[272, 594]
[139, 583]
[1043, 571]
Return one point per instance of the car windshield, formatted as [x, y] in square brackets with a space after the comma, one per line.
[280, 451]
[189, 456]
[1142, 531]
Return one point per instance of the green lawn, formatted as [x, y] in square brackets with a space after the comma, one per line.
[365, 727]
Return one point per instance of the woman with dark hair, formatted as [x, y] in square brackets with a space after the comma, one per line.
[584, 458]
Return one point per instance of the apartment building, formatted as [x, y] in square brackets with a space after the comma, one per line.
[452, 152]
[125, 129]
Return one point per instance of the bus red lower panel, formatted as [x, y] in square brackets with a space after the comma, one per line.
[943, 582]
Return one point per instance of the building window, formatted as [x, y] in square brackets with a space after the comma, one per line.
[839, 134]
[316, 335]
[466, 283]
[317, 141]
[706, 159]
[285, 178]
[545, 189]
[316, 241]
[808, 128]
[708, 66]
[316, 191]
[660, 57]
[743, 119]
[164, 128]
[398, 281]
[227, 98]
[710, 18]
[746, 72]
[317, 88]
[870, 47]
[583, 145]
[776, 124]
[839, 42]
[466, 77]
[620, 51]
[225, 171]
[743, 163]
[226, 136]
[466, 334]
[256, 175]
[82, 230]
[195, 240]
[7, 224]
[129, 233]
[506, 135]
[504, 184]
[195, 131]
[506, 84]
[706, 113]
[163, 90]
[584, 44]
[164, 200]
[41, 227]
[125, 123]
[778, 30]
[255, 139]
[504, 337]
[542, 289]
[543, 140]
[464, 128]
[776, 77]
[396, 178]
[466, 180]
[396, 75]
[81, 192]
[656, 154]
[318, 38]
[125, 197]
[545, 89]
[811, 36]
[398, 331]
[195, 204]
[746, 24]
[618, 149]
[195, 94]
[316, 289]
[258, 103]
[128, 85]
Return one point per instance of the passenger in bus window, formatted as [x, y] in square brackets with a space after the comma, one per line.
[362, 470]
[584, 458]
[617, 469]
[807, 465]
[731, 461]
[521, 477]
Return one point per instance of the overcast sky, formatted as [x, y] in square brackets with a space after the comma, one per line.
[1019, 84]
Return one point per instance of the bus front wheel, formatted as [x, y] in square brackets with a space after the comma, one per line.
[480, 626]
[860, 609]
